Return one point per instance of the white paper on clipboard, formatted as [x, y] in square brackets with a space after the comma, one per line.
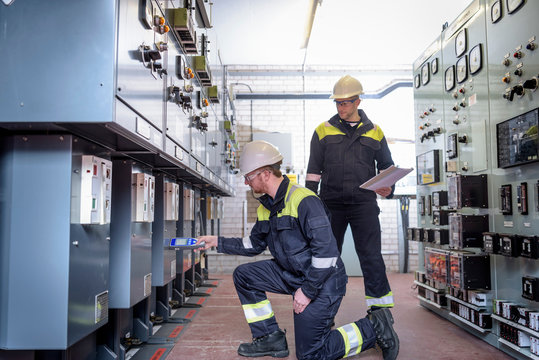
[386, 178]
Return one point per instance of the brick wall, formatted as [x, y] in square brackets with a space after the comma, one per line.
[300, 118]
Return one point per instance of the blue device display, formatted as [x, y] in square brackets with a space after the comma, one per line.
[185, 242]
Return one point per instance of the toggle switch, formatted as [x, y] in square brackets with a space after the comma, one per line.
[506, 79]
[517, 54]
[518, 72]
[531, 46]
[506, 62]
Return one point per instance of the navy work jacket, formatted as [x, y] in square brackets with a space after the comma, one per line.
[346, 157]
[296, 229]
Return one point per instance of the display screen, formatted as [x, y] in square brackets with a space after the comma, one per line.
[428, 167]
[517, 140]
[182, 241]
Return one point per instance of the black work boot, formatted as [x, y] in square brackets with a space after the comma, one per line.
[273, 344]
[386, 337]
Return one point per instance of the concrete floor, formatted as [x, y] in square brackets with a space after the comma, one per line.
[220, 326]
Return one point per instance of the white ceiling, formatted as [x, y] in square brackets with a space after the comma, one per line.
[345, 32]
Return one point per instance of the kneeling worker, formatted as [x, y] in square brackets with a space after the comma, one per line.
[293, 223]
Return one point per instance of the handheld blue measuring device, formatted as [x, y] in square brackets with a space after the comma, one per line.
[185, 243]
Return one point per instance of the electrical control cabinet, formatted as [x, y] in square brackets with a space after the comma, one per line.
[465, 92]
[164, 229]
[131, 234]
[137, 95]
[488, 143]
[36, 231]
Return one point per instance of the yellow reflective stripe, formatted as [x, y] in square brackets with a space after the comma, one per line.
[262, 213]
[376, 133]
[326, 129]
[258, 312]
[384, 301]
[294, 195]
[353, 340]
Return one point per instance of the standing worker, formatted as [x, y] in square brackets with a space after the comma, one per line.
[345, 152]
[292, 222]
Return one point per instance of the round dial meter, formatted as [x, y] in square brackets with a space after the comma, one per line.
[434, 66]
[514, 5]
[460, 43]
[476, 59]
[450, 78]
[496, 11]
[425, 74]
[462, 69]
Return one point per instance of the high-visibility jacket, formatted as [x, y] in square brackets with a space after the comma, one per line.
[346, 158]
[296, 229]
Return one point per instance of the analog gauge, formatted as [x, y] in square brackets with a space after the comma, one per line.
[417, 81]
[450, 78]
[514, 5]
[460, 43]
[496, 11]
[425, 74]
[462, 69]
[434, 66]
[476, 60]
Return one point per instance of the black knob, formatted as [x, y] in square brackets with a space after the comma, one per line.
[518, 72]
[530, 84]
[463, 139]
[455, 108]
[519, 90]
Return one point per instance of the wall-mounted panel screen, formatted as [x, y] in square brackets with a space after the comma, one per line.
[428, 167]
[517, 140]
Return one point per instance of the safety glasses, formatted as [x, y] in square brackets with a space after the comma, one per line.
[250, 178]
[345, 102]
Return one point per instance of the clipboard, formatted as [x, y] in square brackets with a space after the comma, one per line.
[387, 178]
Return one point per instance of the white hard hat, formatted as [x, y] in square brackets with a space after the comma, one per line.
[257, 154]
[346, 87]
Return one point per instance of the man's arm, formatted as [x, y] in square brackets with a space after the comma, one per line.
[248, 246]
[383, 161]
[315, 165]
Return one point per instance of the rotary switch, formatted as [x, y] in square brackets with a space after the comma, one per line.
[531, 84]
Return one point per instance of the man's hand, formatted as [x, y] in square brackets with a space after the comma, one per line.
[300, 301]
[209, 240]
[385, 191]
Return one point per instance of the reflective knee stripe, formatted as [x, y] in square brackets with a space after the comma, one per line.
[247, 242]
[353, 340]
[323, 263]
[258, 312]
[384, 301]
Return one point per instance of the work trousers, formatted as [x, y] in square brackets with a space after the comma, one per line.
[363, 220]
[314, 338]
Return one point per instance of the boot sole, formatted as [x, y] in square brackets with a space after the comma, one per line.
[276, 354]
